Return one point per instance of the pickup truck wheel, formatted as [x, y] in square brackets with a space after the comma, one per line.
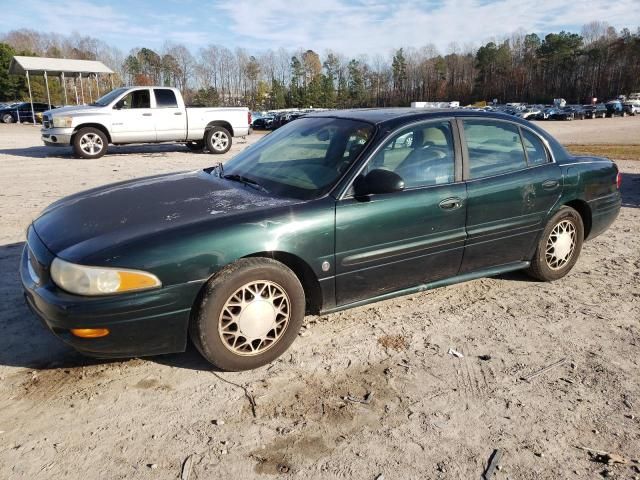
[7, 118]
[90, 143]
[217, 140]
[249, 315]
[195, 146]
[559, 246]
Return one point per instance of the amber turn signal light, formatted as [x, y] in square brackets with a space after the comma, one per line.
[90, 332]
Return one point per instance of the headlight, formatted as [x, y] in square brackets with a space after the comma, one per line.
[83, 280]
[62, 122]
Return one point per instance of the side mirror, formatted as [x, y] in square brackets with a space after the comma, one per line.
[378, 181]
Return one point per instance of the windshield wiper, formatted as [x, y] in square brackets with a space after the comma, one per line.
[218, 166]
[234, 177]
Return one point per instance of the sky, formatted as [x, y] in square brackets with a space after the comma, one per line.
[351, 27]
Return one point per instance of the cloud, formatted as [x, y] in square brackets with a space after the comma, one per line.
[366, 26]
[352, 27]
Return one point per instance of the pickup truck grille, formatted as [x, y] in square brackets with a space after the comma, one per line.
[46, 121]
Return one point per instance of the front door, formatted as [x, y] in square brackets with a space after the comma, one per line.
[170, 120]
[510, 189]
[132, 118]
[389, 242]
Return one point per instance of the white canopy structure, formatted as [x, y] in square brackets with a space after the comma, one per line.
[59, 67]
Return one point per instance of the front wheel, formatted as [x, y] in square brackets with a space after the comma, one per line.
[559, 246]
[249, 315]
[90, 143]
[7, 118]
[217, 140]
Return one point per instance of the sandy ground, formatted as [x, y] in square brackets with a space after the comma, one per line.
[430, 414]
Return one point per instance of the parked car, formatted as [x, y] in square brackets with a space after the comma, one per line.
[546, 113]
[595, 111]
[21, 112]
[632, 107]
[565, 113]
[263, 123]
[331, 211]
[615, 108]
[578, 112]
[143, 115]
[529, 113]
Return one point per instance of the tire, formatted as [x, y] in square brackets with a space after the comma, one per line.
[546, 265]
[7, 118]
[196, 146]
[217, 140]
[90, 143]
[218, 329]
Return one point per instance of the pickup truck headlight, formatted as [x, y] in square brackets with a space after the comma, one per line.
[84, 280]
[62, 122]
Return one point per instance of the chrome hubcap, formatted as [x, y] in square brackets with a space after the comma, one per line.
[560, 245]
[254, 318]
[91, 143]
[219, 141]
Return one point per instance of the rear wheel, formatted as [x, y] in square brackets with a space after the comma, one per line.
[559, 246]
[217, 140]
[7, 118]
[250, 314]
[90, 143]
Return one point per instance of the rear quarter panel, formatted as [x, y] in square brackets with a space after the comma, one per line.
[199, 118]
[593, 180]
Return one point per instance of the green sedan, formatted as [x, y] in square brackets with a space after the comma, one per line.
[334, 210]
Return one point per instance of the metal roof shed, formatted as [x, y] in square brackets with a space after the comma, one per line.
[45, 66]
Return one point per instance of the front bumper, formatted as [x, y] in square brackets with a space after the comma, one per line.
[144, 323]
[56, 137]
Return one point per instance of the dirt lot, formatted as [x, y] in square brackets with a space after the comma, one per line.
[430, 414]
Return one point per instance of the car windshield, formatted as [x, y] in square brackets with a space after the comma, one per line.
[303, 159]
[105, 100]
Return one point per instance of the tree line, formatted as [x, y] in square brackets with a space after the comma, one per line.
[598, 62]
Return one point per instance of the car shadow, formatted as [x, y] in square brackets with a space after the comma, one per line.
[25, 341]
[630, 190]
[114, 151]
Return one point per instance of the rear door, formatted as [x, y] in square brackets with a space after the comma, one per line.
[512, 183]
[132, 118]
[170, 119]
[385, 243]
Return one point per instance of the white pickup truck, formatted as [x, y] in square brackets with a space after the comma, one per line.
[143, 115]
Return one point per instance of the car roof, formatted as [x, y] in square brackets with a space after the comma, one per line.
[394, 117]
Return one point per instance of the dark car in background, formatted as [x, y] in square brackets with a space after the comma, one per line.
[595, 111]
[566, 113]
[263, 123]
[615, 108]
[21, 112]
[332, 211]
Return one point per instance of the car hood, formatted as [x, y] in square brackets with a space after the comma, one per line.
[91, 221]
[74, 109]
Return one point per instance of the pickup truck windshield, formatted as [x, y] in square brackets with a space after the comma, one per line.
[105, 100]
[303, 159]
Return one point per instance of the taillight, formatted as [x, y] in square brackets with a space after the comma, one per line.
[618, 180]
[249, 119]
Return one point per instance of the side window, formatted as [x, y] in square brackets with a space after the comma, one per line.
[165, 98]
[422, 155]
[135, 99]
[536, 153]
[494, 148]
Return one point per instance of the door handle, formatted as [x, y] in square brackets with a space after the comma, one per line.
[450, 203]
[550, 184]
[146, 114]
[177, 113]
